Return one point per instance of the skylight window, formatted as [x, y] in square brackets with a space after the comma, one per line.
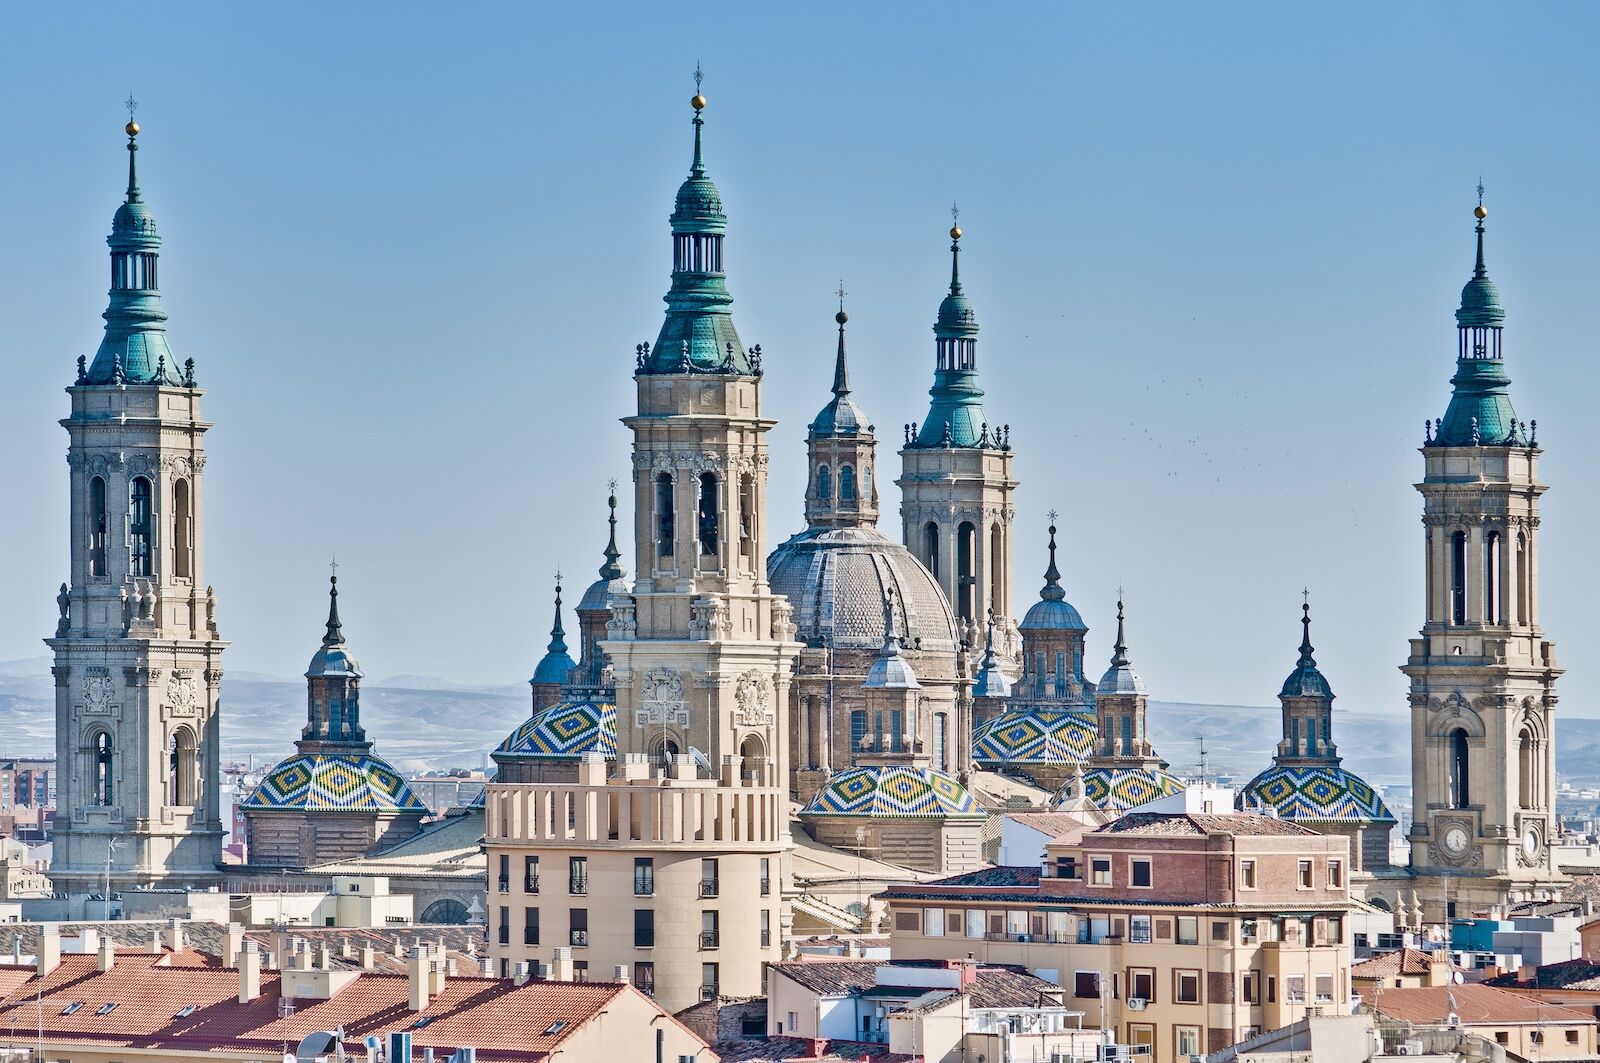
[555, 1027]
[420, 1023]
[107, 1008]
[185, 1011]
[73, 1008]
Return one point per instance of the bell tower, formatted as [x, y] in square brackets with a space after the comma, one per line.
[1482, 673]
[137, 656]
[956, 481]
[702, 650]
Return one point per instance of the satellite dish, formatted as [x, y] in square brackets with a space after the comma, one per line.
[1457, 977]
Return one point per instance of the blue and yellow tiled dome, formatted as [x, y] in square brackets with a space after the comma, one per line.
[1117, 790]
[1034, 736]
[334, 782]
[567, 729]
[1315, 793]
[892, 792]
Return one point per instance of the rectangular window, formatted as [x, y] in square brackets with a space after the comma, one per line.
[1139, 930]
[1219, 932]
[858, 729]
[1572, 1037]
[1335, 874]
[1335, 929]
[578, 875]
[1066, 867]
[1251, 988]
[1101, 870]
[644, 928]
[530, 926]
[505, 873]
[708, 981]
[933, 922]
[766, 928]
[1186, 987]
[975, 923]
[644, 876]
[578, 922]
[1305, 874]
[710, 930]
[1324, 986]
[1142, 984]
[710, 885]
[1186, 1039]
[1086, 984]
[580, 970]
[766, 877]
[1247, 874]
[1188, 930]
[530, 874]
[505, 925]
[644, 977]
[1139, 871]
[1294, 989]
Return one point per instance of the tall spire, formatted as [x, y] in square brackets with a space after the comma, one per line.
[611, 569]
[334, 636]
[955, 416]
[1120, 678]
[1119, 650]
[1306, 660]
[556, 666]
[1307, 680]
[1052, 591]
[558, 641]
[697, 168]
[955, 249]
[841, 374]
[132, 129]
[1480, 411]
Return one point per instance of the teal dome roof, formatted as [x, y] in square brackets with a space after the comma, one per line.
[698, 203]
[1052, 612]
[1307, 680]
[1024, 736]
[1323, 793]
[892, 792]
[334, 782]
[565, 731]
[1480, 305]
[1117, 790]
[1480, 398]
[556, 666]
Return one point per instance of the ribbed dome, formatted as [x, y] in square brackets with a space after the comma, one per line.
[554, 667]
[955, 312]
[600, 593]
[1480, 305]
[837, 580]
[1053, 616]
[333, 660]
[133, 219]
[698, 199]
[840, 417]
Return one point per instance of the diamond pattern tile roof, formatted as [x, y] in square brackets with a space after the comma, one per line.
[567, 729]
[1119, 789]
[1034, 736]
[334, 782]
[1316, 792]
[892, 792]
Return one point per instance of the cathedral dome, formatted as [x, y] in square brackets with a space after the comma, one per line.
[566, 730]
[1034, 736]
[1315, 793]
[892, 792]
[334, 782]
[698, 200]
[1117, 790]
[1047, 615]
[837, 580]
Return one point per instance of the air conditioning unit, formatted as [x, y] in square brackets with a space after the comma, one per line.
[1136, 1003]
[1408, 1048]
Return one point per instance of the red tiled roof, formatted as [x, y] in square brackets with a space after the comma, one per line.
[1404, 961]
[794, 1049]
[502, 1020]
[1568, 974]
[1195, 824]
[1055, 824]
[1475, 1004]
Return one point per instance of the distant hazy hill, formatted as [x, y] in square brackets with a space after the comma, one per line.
[421, 723]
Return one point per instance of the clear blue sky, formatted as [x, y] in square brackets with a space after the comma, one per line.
[1214, 250]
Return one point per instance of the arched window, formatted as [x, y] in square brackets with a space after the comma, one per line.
[97, 528]
[182, 530]
[930, 544]
[1522, 578]
[847, 484]
[1458, 578]
[753, 758]
[1525, 771]
[664, 515]
[858, 731]
[824, 484]
[996, 564]
[747, 517]
[1491, 578]
[104, 762]
[1127, 735]
[1460, 782]
[940, 723]
[708, 513]
[181, 768]
[139, 530]
[966, 571]
[1294, 736]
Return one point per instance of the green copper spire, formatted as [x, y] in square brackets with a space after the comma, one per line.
[955, 416]
[556, 665]
[698, 333]
[1480, 412]
[134, 350]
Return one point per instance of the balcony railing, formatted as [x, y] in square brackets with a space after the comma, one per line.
[709, 887]
[766, 939]
[505, 885]
[578, 886]
[709, 939]
[708, 992]
[766, 887]
[580, 938]
[647, 988]
[531, 884]
[644, 887]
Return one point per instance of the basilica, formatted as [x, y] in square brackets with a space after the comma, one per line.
[878, 688]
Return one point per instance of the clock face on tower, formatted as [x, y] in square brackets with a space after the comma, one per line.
[1455, 840]
[1530, 841]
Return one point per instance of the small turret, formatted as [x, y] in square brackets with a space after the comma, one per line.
[1480, 411]
[556, 667]
[841, 451]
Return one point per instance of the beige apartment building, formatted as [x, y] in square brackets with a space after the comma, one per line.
[1182, 931]
[676, 880]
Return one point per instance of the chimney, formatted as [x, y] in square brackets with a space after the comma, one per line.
[399, 948]
[232, 942]
[619, 973]
[366, 956]
[450, 967]
[488, 967]
[561, 965]
[436, 970]
[302, 955]
[682, 767]
[108, 953]
[346, 951]
[47, 954]
[249, 972]
[417, 968]
[519, 973]
[155, 941]
[323, 956]
[173, 937]
[281, 944]
[730, 769]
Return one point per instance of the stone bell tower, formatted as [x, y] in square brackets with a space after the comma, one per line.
[957, 485]
[702, 650]
[1482, 673]
[137, 657]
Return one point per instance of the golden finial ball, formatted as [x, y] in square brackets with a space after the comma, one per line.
[1480, 212]
[698, 103]
[132, 129]
[955, 232]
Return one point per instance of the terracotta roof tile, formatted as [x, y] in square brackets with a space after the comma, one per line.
[1406, 961]
[1475, 1004]
[1195, 824]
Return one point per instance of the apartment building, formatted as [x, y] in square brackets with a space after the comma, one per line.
[676, 880]
[1182, 931]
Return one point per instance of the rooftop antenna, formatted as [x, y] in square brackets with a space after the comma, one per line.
[112, 845]
[1204, 779]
